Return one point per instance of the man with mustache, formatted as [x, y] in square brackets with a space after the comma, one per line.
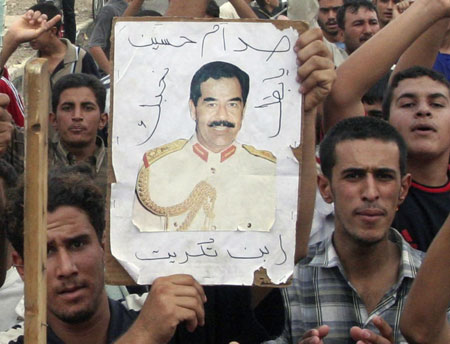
[218, 183]
[327, 19]
[358, 20]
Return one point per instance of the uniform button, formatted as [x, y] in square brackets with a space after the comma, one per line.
[249, 225]
[213, 228]
[175, 224]
[213, 170]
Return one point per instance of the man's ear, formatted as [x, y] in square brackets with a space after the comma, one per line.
[19, 264]
[405, 184]
[192, 110]
[103, 120]
[52, 119]
[324, 186]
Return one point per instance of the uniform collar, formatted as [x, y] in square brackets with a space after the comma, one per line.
[204, 154]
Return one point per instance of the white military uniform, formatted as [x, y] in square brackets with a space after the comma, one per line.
[182, 186]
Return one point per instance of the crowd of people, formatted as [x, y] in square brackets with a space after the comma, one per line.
[373, 233]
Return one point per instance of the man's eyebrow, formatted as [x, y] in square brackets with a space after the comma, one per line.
[437, 95]
[80, 237]
[407, 95]
[235, 99]
[210, 99]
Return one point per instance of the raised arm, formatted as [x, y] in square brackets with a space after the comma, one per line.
[26, 28]
[375, 57]
[186, 8]
[316, 74]
[133, 8]
[243, 9]
[424, 318]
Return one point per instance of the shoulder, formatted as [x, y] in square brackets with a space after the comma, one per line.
[264, 154]
[162, 151]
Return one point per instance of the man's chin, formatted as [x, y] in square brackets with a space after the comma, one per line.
[74, 317]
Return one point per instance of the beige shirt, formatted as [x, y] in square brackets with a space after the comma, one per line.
[182, 186]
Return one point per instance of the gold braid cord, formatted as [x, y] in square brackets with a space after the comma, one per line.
[202, 196]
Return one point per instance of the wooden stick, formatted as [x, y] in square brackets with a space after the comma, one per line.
[35, 221]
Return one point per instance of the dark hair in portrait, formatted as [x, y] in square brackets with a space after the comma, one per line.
[353, 6]
[217, 70]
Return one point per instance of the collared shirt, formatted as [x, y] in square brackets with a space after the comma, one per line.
[58, 156]
[320, 294]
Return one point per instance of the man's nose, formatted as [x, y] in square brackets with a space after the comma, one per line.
[370, 189]
[77, 113]
[66, 266]
[423, 109]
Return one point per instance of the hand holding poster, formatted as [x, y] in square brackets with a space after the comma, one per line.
[205, 116]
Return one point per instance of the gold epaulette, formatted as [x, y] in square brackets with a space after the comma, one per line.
[260, 153]
[159, 152]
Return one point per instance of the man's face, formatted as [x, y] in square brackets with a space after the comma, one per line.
[43, 40]
[366, 188]
[359, 27]
[218, 113]
[75, 280]
[327, 16]
[385, 10]
[374, 110]
[78, 117]
[420, 111]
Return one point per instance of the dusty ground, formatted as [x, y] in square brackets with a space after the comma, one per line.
[83, 11]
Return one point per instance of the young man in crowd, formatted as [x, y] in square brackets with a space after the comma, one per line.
[364, 269]
[418, 107]
[358, 21]
[63, 57]
[78, 103]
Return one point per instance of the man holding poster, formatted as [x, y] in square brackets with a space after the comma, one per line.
[209, 182]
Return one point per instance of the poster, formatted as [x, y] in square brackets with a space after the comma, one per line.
[204, 117]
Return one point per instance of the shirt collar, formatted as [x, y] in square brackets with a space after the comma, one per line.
[95, 160]
[323, 254]
[204, 154]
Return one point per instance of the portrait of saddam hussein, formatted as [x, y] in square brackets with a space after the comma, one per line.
[209, 182]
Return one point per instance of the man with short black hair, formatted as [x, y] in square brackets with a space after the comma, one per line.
[353, 284]
[358, 20]
[327, 19]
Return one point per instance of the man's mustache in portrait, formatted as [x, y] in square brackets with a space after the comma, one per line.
[221, 124]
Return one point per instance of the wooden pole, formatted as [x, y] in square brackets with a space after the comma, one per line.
[35, 222]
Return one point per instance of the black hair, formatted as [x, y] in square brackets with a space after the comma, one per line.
[359, 128]
[410, 73]
[50, 10]
[376, 93]
[78, 80]
[67, 186]
[212, 9]
[217, 70]
[353, 6]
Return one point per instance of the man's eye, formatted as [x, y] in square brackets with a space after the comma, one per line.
[407, 105]
[437, 105]
[385, 176]
[233, 105]
[211, 105]
[352, 175]
[50, 250]
[77, 244]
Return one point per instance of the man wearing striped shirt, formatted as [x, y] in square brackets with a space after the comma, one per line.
[352, 285]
